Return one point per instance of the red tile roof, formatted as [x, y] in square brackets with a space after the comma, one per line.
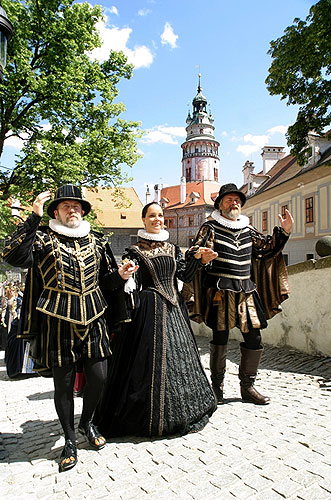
[109, 214]
[204, 191]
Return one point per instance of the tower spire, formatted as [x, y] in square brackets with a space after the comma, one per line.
[199, 84]
[200, 160]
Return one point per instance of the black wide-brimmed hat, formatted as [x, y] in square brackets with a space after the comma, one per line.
[227, 189]
[68, 192]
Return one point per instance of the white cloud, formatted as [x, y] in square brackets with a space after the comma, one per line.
[177, 131]
[257, 142]
[247, 150]
[224, 133]
[168, 36]
[140, 57]
[278, 129]
[15, 142]
[254, 143]
[156, 136]
[164, 134]
[111, 10]
[115, 38]
[144, 12]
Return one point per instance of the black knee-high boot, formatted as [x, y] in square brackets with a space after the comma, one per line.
[249, 363]
[217, 368]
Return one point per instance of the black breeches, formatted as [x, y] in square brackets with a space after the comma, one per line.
[64, 377]
[252, 339]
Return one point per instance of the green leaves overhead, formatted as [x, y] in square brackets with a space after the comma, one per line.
[301, 73]
[62, 102]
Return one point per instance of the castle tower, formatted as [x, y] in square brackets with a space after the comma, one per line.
[200, 161]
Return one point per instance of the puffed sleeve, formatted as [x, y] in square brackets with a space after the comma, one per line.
[186, 267]
[267, 246]
[109, 276]
[20, 248]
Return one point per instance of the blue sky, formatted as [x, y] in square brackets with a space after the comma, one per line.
[167, 40]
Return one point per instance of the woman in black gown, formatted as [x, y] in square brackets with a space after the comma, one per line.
[157, 385]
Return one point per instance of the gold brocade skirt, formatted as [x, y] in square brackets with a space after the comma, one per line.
[226, 309]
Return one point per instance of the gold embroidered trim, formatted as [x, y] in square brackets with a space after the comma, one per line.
[163, 366]
[153, 369]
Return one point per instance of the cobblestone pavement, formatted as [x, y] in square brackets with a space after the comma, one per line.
[278, 451]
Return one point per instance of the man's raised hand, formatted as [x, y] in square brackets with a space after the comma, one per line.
[39, 202]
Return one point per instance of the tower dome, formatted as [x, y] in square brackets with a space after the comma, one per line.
[200, 160]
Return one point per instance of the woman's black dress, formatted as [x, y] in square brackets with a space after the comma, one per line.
[157, 385]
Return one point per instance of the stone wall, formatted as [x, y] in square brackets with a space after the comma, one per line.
[305, 321]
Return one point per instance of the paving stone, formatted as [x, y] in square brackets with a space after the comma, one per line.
[246, 452]
[314, 493]
[286, 487]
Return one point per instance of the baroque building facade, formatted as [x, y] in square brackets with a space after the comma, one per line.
[304, 191]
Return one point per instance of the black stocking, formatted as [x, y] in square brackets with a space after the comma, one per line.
[252, 339]
[220, 337]
[64, 378]
[95, 373]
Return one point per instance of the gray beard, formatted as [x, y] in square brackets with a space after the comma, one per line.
[72, 224]
[232, 214]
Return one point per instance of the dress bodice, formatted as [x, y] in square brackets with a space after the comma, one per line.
[157, 261]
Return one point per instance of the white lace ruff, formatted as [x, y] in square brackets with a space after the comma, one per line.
[240, 223]
[163, 235]
[73, 232]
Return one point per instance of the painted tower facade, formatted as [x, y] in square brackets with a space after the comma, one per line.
[200, 160]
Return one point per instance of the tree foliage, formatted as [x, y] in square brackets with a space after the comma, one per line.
[61, 102]
[301, 73]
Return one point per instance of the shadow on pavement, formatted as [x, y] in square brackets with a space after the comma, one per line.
[33, 443]
[38, 396]
[280, 359]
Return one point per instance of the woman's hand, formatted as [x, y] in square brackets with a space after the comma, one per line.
[205, 254]
[39, 202]
[127, 270]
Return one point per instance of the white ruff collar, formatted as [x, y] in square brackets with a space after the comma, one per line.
[163, 235]
[240, 223]
[73, 232]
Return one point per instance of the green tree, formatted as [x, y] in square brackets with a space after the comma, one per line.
[301, 73]
[61, 102]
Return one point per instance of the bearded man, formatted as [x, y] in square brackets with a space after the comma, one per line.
[242, 287]
[70, 269]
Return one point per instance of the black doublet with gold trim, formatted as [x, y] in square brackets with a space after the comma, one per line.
[64, 284]
[70, 272]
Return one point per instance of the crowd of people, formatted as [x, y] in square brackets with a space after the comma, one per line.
[16, 350]
[125, 328]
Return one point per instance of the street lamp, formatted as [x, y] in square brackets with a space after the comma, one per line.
[6, 32]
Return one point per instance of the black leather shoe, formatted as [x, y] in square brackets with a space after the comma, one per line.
[92, 435]
[69, 453]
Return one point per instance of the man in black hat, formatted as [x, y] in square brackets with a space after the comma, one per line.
[64, 306]
[242, 287]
